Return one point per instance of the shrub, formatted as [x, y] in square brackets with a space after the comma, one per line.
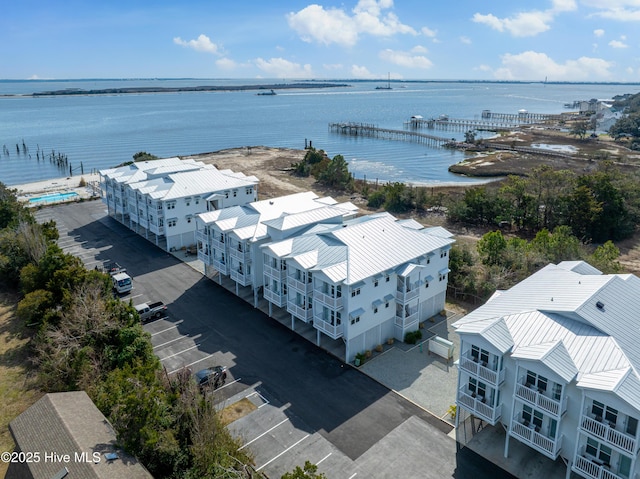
[412, 337]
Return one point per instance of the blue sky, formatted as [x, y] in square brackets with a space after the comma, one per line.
[561, 40]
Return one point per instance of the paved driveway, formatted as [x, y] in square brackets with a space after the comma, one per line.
[312, 406]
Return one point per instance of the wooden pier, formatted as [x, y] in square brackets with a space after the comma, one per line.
[372, 131]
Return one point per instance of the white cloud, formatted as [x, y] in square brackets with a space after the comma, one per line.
[202, 44]
[358, 71]
[618, 44]
[226, 64]
[332, 66]
[598, 32]
[465, 40]
[314, 23]
[532, 65]
[526, 24]
[405, 59]
[281, 68]
[427, 32]
[419, 49]
[621, 10]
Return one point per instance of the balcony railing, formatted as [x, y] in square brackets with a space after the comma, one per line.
[542, 402]
[477, 405]
[586, 466]
[217, 244]
[300, 312]
[204, 257]
[143, 222]
[334, 331]
[221, 266]
[275, 273]
[481, 370]
[298, 285]
[155, 229]
[277, 298]
[202, 236]
[407, 321]
[405, 296]
[327, 300]
[242, 278]
[531, 435]
[241, 256]
[605, 432]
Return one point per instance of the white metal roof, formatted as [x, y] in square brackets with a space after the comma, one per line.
[593, 316]
[381, 244]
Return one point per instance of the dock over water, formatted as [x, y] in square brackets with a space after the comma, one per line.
[371, 131]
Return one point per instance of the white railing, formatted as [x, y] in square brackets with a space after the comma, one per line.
[202, 236]
[327, 300]
[407, 321]
[587, 467]
[217, 244]
[220, 266]
[143, 222]
[204, 257]
[404, 296]
[242, 278]
[239, 255]
[531, 435]
[279, 299]
[302, 313]
[546, 404]
[333, 331]
[605, 432]
[472, 365]
[155, 229]
[276, 273]
[299, 285]
[477, 405]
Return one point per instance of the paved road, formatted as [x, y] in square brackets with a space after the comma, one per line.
[311, 406]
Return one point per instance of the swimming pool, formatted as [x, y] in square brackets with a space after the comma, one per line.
[54, 198]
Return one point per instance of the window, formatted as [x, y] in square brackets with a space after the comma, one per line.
[597, 409]
[249, 191]
[188, 219]
[197, 201]
[556, 391]
[426, 284]
[597, 450]
[611, 415]
[387, 279]
[375, 283]
[226, 194]
[171, 223]
[355, 292]
[479, 354]
[443, 254]
[160, 222]
[235, 193]
[386, 305]
[632, 426]
[355, 320]
[534, 379]
[171, 205]
[375, 310]
[477, 388]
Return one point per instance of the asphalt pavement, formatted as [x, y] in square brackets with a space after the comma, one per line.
[352, 422]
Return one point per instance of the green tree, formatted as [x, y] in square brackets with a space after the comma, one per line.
[144, 156]
[580, 128]
[491, 247]
[310, 471]
[605, 258]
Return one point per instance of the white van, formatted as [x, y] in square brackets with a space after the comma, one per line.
[122, 283]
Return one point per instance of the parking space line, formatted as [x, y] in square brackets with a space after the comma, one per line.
[325, 457]
[176, 339]
[353, 476]
[195, 362]
[168, 329]
[183, 351]
[261, 435]
[283, 452]
[265, 401]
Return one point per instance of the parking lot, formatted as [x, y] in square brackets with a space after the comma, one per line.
[309, 405]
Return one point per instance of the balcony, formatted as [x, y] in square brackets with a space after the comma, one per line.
[155, 229]
[407, 321]
[241, 256]
[143, 222]
[539, 400]
[303, 313]
[217, 244]
[204, 257]
[334, 303]
[220, 266]
[532, 437]
[202, 236]
[241, 277]
[277, 298]
[478, 406]
[605, 432]
[406, 296]
[473, 366]
[331, 330]
[304, 288]
[592, 468]
[275, 273]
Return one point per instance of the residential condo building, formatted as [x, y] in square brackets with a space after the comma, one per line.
[159, 199]
[554, 361]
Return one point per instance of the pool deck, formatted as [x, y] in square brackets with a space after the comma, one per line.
[28, 191]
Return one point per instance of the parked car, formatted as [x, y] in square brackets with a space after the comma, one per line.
[146, 311]
[215, 376]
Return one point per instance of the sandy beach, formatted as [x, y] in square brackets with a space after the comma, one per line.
[29, 191]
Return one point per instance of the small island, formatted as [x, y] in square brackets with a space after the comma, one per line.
[154, 89]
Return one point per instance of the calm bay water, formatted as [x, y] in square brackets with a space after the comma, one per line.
[101, 131]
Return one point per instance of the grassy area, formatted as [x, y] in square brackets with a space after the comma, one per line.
[236, 410]
[17, 390]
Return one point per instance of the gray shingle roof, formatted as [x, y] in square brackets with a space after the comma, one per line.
[69, 423]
